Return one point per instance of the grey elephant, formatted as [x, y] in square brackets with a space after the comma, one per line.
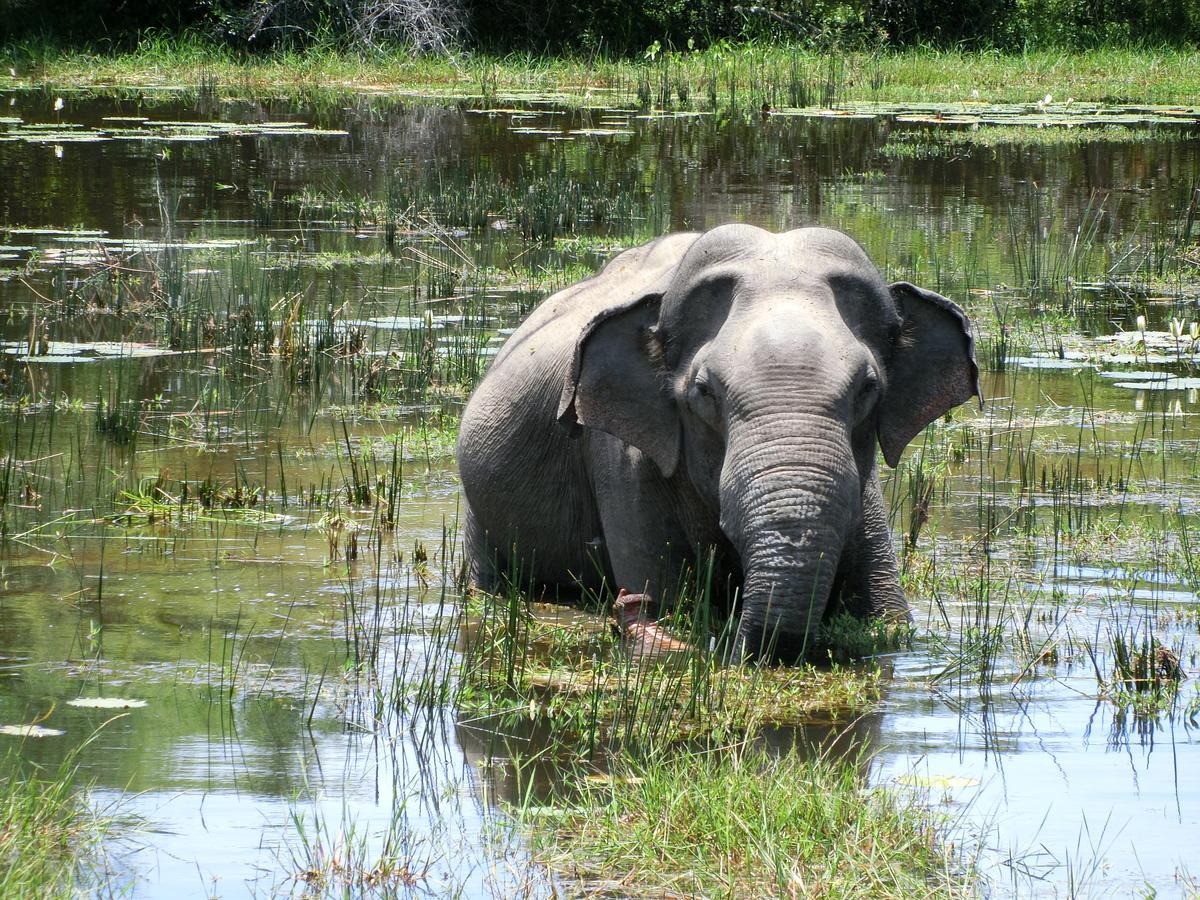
[718, 392]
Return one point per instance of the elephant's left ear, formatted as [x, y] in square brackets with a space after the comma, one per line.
[616, 382]
[932, 368]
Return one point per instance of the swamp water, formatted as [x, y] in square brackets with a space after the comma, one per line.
[237, 335]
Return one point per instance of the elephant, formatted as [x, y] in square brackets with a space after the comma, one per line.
[719, 396]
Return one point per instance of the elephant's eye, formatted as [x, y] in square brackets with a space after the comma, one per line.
[869, 386]
[703, 400]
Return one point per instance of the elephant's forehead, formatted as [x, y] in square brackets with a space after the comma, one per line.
[732, 243]
[750, 259]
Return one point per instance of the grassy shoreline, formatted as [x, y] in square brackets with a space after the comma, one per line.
[731, 75]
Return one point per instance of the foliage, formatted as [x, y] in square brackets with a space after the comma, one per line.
[602, 28]
[426, 25]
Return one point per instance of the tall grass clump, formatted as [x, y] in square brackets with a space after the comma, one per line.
[742, 823]
[597, 693]
[1046, 260]
[1135, 669]
[48, 833]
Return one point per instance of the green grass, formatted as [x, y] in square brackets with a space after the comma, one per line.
[778, 75]
[742, 823]
[48, 833]
[640, 811]
[567, 669]
[942, 142]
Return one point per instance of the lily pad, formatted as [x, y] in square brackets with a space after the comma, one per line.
[52, 359]
[1046, 362]
[56, 232]
[599, 132]
[33, 731]
[1164, 384]
[106, 703]
[406, 323]
[81, 351]
[1136, 376]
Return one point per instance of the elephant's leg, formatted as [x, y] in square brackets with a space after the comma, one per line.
[645, 547]
[868, 575]
[482, 559]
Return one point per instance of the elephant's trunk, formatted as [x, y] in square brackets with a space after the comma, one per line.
[789, 498]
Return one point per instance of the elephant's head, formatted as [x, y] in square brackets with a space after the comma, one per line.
[763, 370]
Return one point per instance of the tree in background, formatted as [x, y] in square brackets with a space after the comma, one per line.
[611, 27]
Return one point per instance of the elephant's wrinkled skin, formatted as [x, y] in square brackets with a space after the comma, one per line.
[721, 390]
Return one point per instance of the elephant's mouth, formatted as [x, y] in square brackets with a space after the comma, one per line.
[635, 620]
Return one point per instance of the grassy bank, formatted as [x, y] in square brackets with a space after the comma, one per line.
[721, 76]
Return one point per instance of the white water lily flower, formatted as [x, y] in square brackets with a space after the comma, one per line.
[106, 703]
[34, 731]
[1194, 330]
[58, 104]
[1141, 323]
[975, 94]
[1176, 328]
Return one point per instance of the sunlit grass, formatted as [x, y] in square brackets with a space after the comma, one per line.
[49, 833]
[779, 75]
[735, 822]
[572, 671]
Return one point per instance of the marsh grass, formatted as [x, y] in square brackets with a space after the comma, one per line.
[552, 203]
[737, 822]
[1135, 669]
[639, 811]
[1047, 260]
[955, 142]
[50, 833]
[571, 671]
[733, 76]
[343, 858]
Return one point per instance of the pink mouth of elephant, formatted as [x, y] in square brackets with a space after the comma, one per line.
[642, 636]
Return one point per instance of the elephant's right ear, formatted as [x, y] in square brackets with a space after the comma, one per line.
[932, 369]
[616, 382]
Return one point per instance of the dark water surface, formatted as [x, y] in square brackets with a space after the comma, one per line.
[397, 226]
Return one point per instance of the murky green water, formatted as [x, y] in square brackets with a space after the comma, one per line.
[245, 529]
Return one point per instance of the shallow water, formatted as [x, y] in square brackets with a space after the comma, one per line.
[242, 634]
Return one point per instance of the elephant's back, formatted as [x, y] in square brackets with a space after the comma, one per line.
[549, 333]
